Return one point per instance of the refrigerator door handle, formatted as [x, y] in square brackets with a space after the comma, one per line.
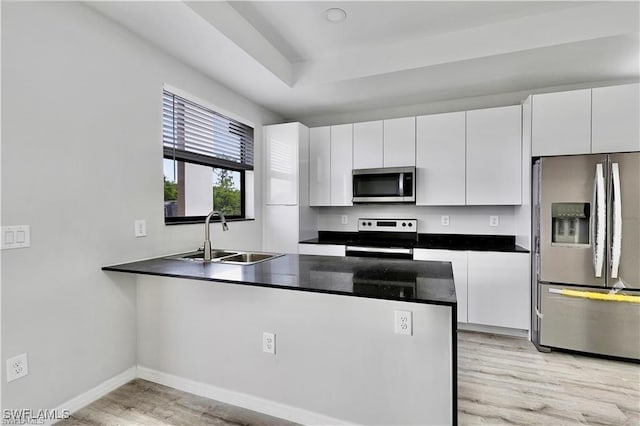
[600, 223]
[616, 241]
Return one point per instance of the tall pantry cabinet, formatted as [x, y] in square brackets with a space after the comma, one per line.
[288, 218]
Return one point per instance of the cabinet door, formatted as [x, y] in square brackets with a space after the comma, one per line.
[319, 166]
[561, 123]
[321, 249]
[499, 289]
[440, 160]
[616, 119]
[281, 161]
[367, 145]
[280, 229]
[341, 165]
[494, 159]
[458, 261]
[399, 144]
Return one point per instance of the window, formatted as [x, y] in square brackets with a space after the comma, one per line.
[206, 159]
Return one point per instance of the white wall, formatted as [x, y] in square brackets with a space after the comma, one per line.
[462, 219]
[81, 160]
[336, 356]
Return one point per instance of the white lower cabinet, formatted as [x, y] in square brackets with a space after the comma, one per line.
[321, 249]
[458, 261]
[499, 289]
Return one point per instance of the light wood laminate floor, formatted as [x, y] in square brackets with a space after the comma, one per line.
[506, 381]
[501, 381]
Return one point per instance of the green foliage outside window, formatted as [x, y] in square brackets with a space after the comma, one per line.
[226, 197]
[170, 190]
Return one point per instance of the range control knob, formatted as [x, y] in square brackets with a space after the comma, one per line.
[410, 224]
[404, 224]
[364, 223]
[369, 223]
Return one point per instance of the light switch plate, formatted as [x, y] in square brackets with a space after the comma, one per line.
[494, 220]
[140, 228]
[344, 219]
[17, 236]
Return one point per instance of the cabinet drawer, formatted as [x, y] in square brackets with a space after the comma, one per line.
[595, 326]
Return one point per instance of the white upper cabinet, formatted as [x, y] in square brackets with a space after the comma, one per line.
[281, 161]
[341, 165]
[399, 142]
[616, 119]
[367, 145]
[440, 160]
[320, 166]
[493, 156]
[561, 123]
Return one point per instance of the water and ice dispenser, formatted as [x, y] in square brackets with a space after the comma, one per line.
[570, 223]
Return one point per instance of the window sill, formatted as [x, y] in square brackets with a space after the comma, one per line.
[201, 220]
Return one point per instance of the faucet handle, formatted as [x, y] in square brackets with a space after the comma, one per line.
[225, 227]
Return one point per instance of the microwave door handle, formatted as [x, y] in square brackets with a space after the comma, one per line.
[600, 224]
[401, 185]
[616, 243]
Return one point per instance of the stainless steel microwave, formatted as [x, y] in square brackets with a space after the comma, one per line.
[384, 185]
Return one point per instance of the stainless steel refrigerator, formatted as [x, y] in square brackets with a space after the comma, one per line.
[586, 263]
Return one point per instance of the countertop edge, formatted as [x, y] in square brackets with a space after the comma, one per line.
[122, 269]
[516, 249]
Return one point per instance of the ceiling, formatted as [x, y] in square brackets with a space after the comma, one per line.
[287, 57]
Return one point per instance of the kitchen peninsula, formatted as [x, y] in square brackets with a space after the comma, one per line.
[337, 357]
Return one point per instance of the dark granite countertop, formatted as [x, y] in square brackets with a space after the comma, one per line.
[503, 243]
[390, 279]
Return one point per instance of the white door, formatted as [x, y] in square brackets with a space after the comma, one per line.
[399, 142]
[341, 165]
[320, 166]
[281, 164]
[499, 289]
[367, 145]
[494, 156]
[561, 123]
[458, 261]
[616, 119]
[440, 160]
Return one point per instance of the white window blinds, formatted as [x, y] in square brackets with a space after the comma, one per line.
[193, 133]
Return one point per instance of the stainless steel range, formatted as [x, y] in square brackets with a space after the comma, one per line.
[385, 238]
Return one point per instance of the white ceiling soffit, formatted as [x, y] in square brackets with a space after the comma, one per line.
[287, 57]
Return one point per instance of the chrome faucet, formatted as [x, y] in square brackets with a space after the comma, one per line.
[207, 240]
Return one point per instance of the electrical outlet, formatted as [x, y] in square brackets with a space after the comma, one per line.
[344, 219]
[494, 220]
[17, 367]
[140, 228]
[444, 220]
[403, 322]
[269, 343]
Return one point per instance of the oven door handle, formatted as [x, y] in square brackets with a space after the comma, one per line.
[393, 250]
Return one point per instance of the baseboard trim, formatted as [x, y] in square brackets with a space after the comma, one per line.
[97, 392]
[514, 332]
[243, 400]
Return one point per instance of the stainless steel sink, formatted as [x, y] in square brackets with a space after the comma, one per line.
[198, 256]
[249, 258]
[224, 256]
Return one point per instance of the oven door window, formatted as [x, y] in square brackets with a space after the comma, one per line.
[380, 185]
